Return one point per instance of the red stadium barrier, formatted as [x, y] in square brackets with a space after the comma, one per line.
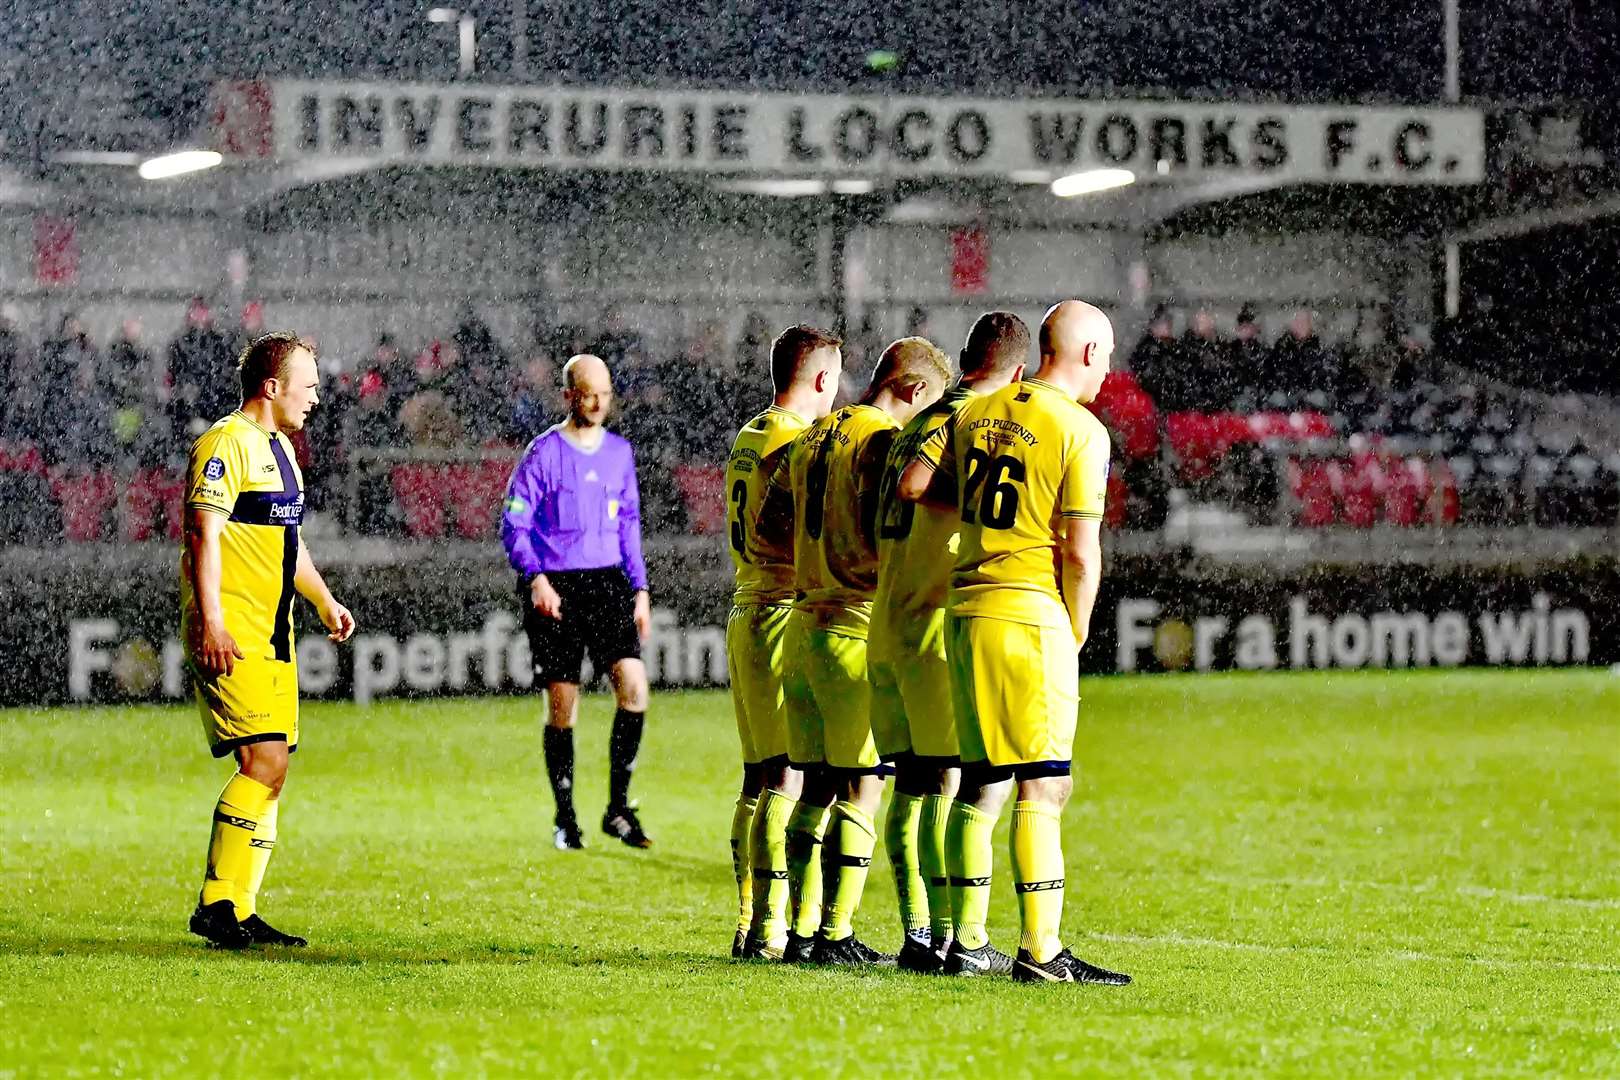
[1270, 425]
[87, 498]
[148, 495]
[1193, 441]
[1129, 411]
[1363, 486]
[1313, 483]
[1231, 429]
[420, 491]
[1115, 505]
[1311, 425]
[22, 457]
[475, 491]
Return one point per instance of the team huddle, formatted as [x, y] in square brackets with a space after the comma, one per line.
[915, 576]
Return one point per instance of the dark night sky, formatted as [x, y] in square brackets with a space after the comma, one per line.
[1348, 49]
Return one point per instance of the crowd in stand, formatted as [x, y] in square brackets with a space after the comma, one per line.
[1226, 416]
[110, 425]
[1378, 428]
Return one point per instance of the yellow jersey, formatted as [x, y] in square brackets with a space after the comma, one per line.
[247, 474]
[764, 569]
[916, 544]
[832, 470]
[1023, 459]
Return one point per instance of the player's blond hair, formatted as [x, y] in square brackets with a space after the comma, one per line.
[911, 359]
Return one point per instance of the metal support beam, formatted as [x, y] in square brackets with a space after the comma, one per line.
[1453, 52]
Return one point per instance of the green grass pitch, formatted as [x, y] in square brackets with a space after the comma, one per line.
[1311, 875]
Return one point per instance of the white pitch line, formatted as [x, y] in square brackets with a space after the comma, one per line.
[1482, 892]
[1328, 950]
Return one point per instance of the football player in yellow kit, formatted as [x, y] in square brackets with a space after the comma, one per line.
[911, 695]
[243, 561]
[805, 365]
[831, 474]
[1026, 468]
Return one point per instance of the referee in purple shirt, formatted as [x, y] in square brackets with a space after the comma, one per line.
[572, 531]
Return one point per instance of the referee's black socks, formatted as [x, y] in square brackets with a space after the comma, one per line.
[559, 747]
[623, 747]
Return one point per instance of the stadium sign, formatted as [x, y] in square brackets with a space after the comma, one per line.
[70, 638]
[848, 136]
[1538, 634]
[109, 658]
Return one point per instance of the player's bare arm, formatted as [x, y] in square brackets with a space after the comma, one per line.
[214, 650]
[1082, 572]
[311, 586]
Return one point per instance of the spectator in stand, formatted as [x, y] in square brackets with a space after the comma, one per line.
[705, 389]
[753, 345]
[1363, 363]
[618, 345]
[1156, 363]
[1206, 361]
[22, 490]
[1250, 362]
[201, 374]
[385, 375]
[252, 326]
[15, 365]
[77, 415]
[481, 383]
[429, 416]
[371, 423]
[538, 400]
[138, 423]
[1300, 366]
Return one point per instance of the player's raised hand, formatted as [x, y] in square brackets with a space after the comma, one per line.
[545, 598]
[338, 621]
[217, 652]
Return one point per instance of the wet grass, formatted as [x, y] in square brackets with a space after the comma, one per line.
[1310, 875]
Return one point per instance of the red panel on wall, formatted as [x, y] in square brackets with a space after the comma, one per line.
[56, 250]
[970, 260]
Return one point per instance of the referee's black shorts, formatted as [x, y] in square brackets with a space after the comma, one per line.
[598, 617]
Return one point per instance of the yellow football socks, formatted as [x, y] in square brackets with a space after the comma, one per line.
[805, 831]
[769, 839]
[969, 854]
[1037, 858]
[230, 854]
[260, 848]
[849, 858]
[742, 863]
[936, 816]
[900, 832]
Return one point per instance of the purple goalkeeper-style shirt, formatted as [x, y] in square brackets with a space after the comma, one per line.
[574, 509]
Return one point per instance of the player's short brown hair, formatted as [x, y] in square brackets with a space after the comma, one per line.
[792, 348]
[268, 356]
[998, 342]
[910, 359]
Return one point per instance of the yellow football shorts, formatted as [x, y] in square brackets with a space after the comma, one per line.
[912, 709]
[755, 638]
[256, 702]
[828, 697]
[1016, 689]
